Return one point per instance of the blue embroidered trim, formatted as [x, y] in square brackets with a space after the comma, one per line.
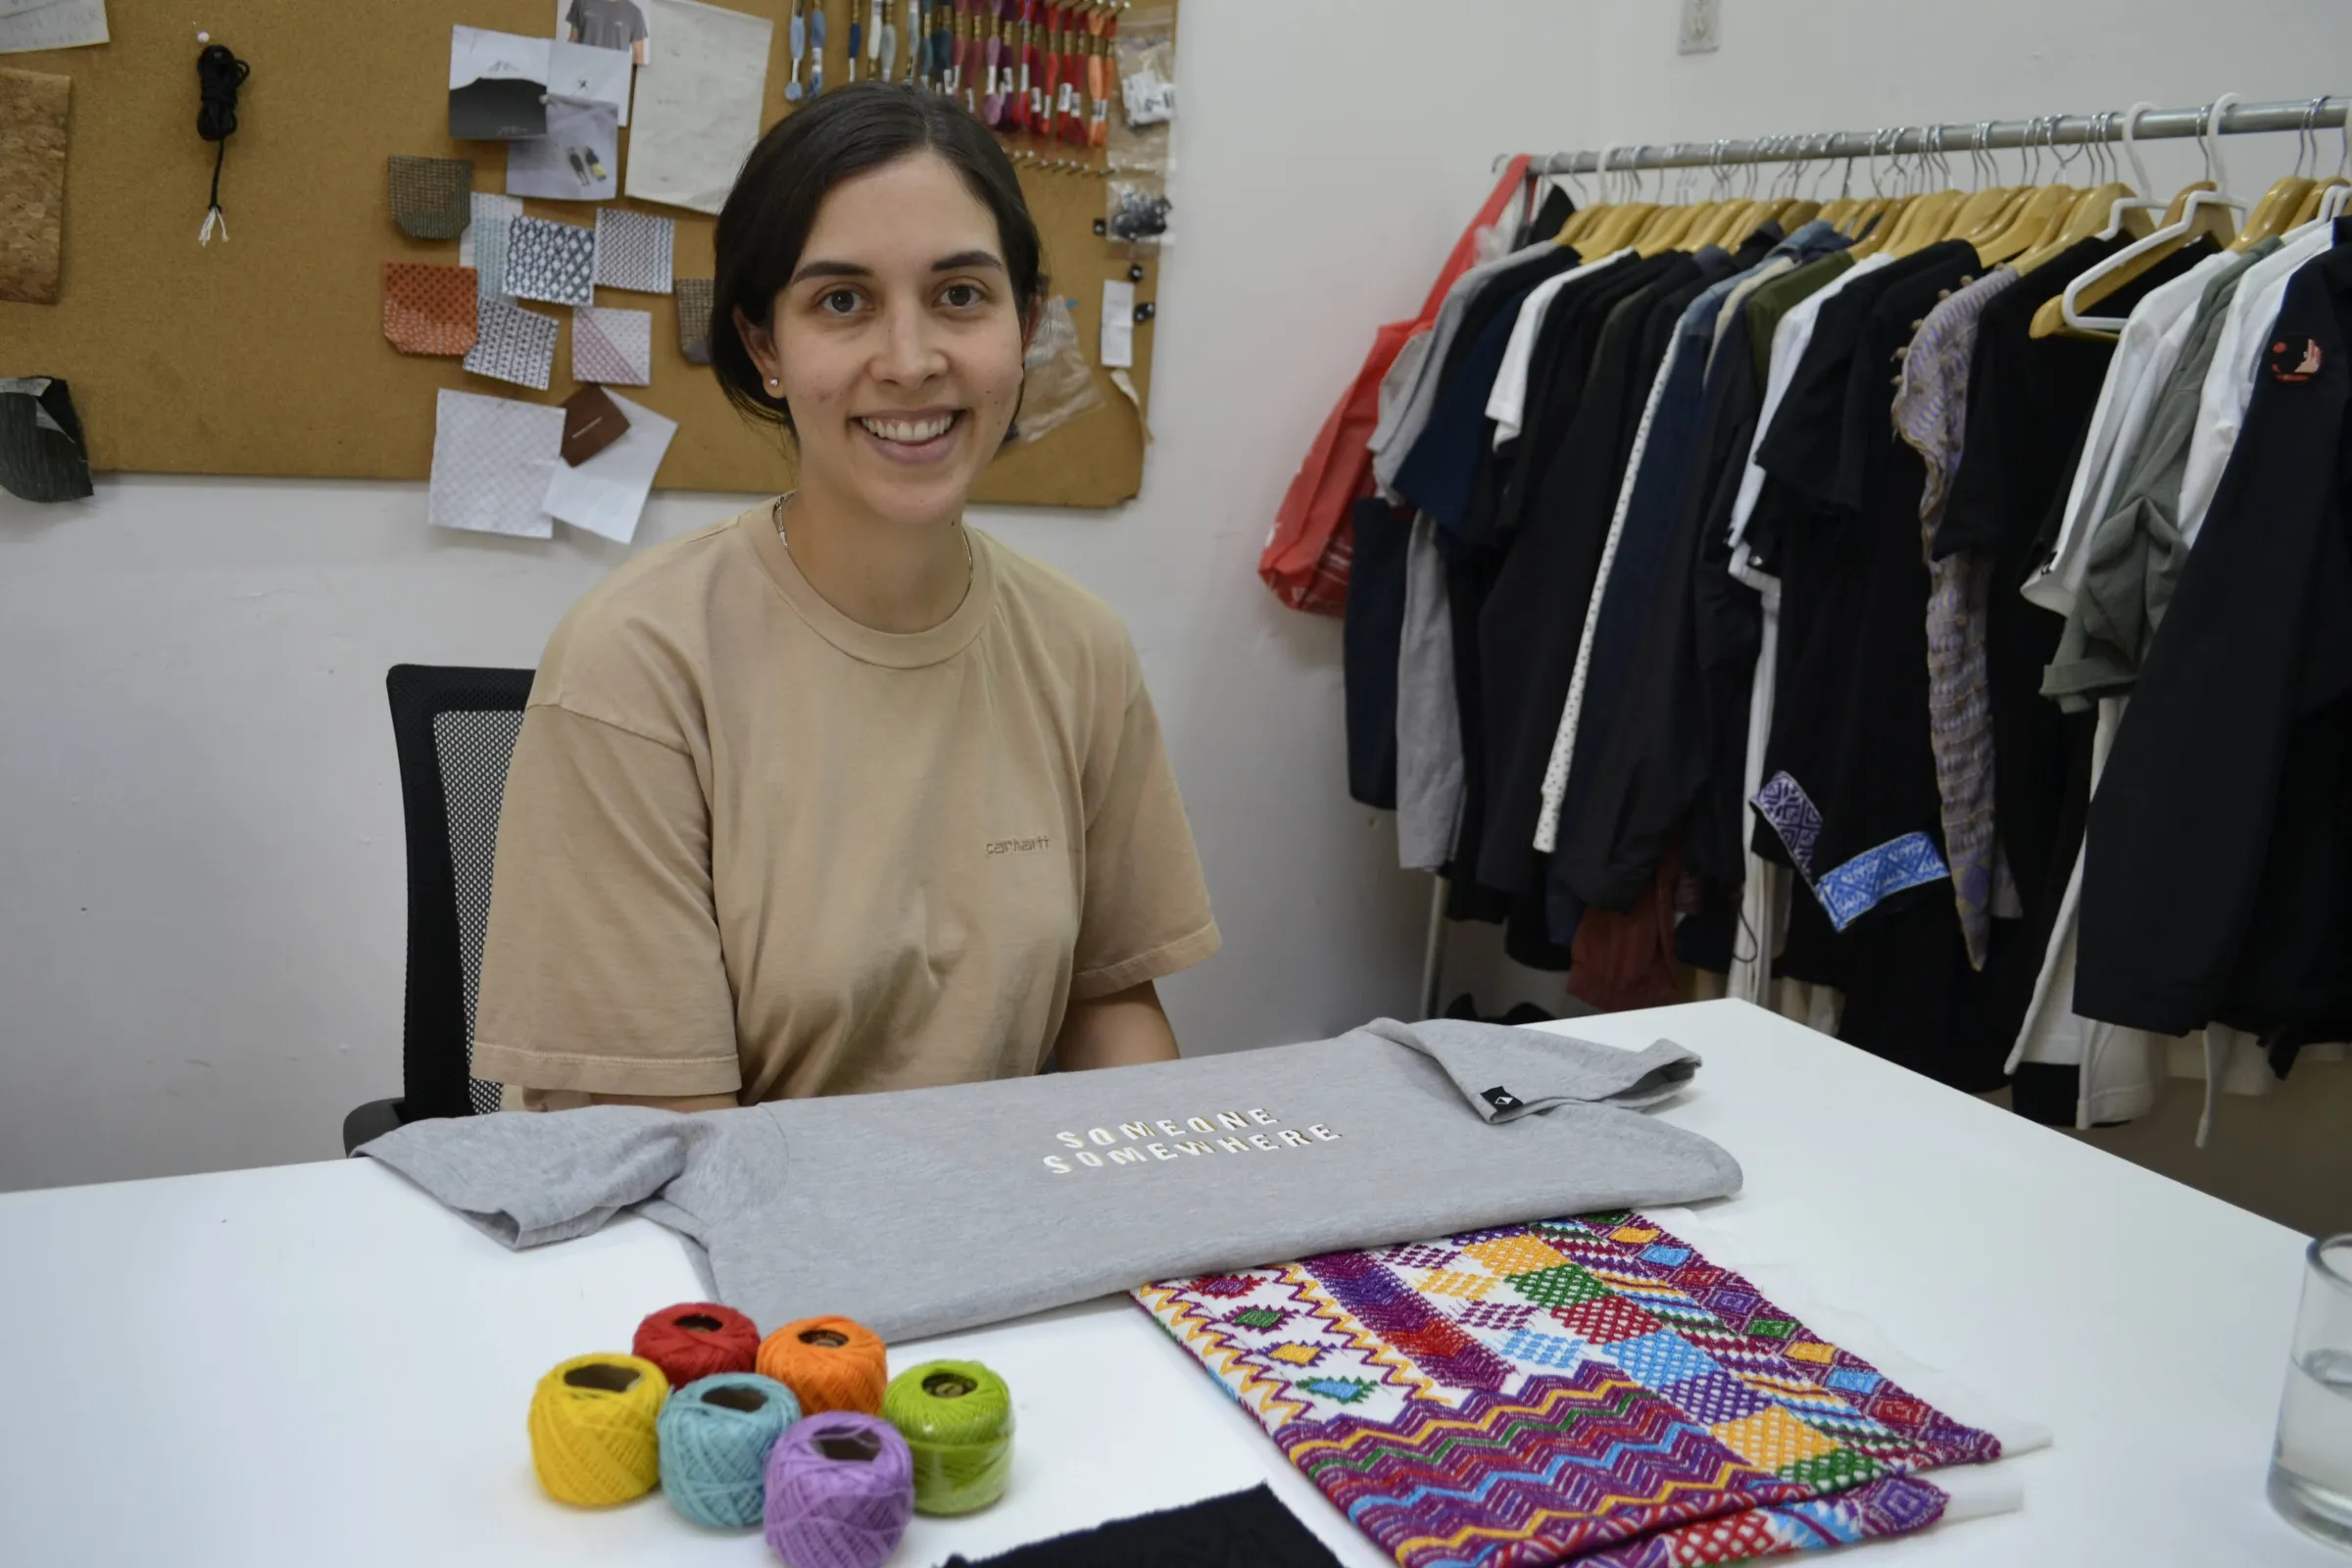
[1852, 889]
[1783, 804]
[1855, 888]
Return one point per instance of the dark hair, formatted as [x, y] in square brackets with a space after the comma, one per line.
[765, 223]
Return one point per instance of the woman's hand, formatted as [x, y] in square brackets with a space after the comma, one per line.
[1115, 1031]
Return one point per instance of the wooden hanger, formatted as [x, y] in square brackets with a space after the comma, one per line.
[2200, 209]
[2308, 212]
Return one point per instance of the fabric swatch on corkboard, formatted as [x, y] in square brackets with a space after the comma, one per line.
[634, 250]
[432, 198]
[33, 183]
[515, 345]
[492, 459]
[42, 453]
[613, 347]
[430, 309]
[694, 319]
[552, 262]
[484, 245]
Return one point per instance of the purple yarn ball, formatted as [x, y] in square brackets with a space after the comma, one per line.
[840, 1492]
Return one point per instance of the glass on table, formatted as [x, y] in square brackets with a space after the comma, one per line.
[2311, 1468]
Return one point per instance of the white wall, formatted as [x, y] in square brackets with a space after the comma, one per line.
[201, 897]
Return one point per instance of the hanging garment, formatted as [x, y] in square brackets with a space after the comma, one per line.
[2218, 861]
[1660, 473]
[2132, 558]
[1429, 726]
[2238, 359]
[1529, 626]
[1338, 465]
[2153, 339]
[803, 1207]
[1764, 886]
[1371, 644]
[1589, 1391]
[1930, 413]
[2031, 406]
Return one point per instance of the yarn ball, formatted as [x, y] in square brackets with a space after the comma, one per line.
[716, 1434]
[592, 1427]
[957, 1417]
[840, 1492]
[830, 1362]
[698, 1340]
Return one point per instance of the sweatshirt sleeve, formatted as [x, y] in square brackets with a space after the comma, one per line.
[525, 1177]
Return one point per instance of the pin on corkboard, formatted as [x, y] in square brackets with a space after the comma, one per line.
[267, 355]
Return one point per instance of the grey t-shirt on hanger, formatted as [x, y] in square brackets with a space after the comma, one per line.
[929, 1210]
[606, 23]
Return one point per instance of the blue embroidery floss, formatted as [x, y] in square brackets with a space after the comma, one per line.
[716, 1434]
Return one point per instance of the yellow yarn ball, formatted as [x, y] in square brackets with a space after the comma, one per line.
[592, 1430]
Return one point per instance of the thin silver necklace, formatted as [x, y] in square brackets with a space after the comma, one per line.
[785, 540]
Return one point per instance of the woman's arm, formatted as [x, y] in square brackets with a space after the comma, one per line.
[1119, 1030]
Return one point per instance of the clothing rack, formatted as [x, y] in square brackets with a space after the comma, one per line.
[2224, 117]
[2048, 131]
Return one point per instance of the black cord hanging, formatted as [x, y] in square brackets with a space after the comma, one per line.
[219, 76]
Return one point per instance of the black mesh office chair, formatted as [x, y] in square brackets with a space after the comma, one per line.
[454, 729]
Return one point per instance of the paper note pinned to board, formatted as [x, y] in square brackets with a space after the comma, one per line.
[51, 25]
[491, 459]
[698, 104]
[606, 494]
[1118, 324]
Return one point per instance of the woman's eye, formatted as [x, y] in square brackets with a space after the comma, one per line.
[841, 302]
[960, 296]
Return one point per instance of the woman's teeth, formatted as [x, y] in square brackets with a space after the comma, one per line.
[910, 432]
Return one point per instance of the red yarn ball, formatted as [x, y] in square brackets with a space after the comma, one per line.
[698, 1340]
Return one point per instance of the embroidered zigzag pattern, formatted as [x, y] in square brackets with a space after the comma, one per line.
[1608, 1396]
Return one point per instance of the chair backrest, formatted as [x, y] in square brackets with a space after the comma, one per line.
[456, 731]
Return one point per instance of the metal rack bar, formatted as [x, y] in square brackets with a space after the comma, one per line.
[2048, 131]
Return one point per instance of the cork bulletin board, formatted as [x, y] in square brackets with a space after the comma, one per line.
[267, 356]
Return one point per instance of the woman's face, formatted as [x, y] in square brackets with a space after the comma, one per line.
[897, 343]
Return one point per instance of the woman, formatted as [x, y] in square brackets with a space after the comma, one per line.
[840, 795]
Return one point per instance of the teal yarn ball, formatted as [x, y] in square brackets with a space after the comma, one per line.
[716, 1434]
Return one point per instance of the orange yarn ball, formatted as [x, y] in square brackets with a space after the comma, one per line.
[829, 1363]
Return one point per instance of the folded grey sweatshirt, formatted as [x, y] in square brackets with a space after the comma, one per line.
[929, 1210]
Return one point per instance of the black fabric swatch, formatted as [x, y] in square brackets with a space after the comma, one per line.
[1250, 1528]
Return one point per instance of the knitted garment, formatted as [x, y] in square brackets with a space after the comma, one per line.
[1588, 1391]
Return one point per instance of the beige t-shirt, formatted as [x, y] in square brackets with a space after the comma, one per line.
[751, 844]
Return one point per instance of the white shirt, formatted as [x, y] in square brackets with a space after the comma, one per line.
[2237, 357]
[2151, 346]
[1506, 404]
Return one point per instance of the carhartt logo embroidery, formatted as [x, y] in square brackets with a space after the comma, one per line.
[2292, 361]
[1019, 845]
[1499, 1097]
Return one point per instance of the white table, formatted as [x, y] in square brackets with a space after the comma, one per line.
[314, 1364]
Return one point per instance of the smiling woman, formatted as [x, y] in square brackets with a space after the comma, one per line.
[841, 795]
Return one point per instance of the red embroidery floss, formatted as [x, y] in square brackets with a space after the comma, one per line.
[698, 1340]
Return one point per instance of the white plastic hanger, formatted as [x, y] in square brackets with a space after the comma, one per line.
[2199, 201]
[2141, 203]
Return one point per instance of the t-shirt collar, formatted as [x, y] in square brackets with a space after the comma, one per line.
[891, 650]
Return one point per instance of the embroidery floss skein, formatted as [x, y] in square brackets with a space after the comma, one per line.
[840, 1492]
[830, 1364]
[957, 1417]
[716, 1434]
[592, 1426]
[698, 1340]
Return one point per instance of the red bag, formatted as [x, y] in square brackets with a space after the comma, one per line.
[1307, 558]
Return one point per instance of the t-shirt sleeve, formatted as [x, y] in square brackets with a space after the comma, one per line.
[1146, 911]
[637, 27]
[602, 972]
[572, 19]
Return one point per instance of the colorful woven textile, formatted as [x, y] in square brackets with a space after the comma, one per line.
[1578, 1390]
